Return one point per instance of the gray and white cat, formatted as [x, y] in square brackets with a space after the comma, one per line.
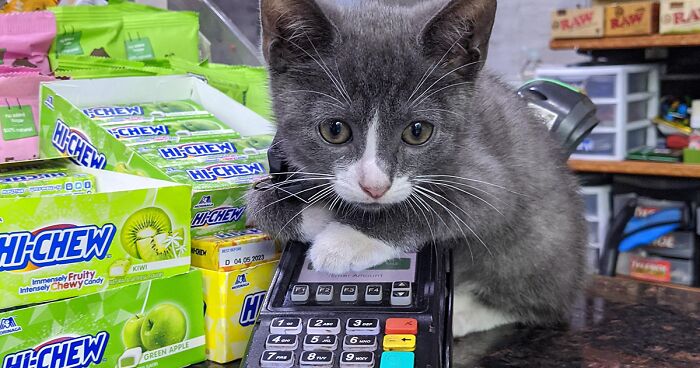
[387, 111]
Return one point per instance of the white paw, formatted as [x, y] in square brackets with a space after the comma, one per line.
[341, 249]
[469, 315]
[314, 220]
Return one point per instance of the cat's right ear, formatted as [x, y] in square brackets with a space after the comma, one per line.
[293, 31]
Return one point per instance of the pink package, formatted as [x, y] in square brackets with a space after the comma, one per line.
[25, 39]
[19, 115]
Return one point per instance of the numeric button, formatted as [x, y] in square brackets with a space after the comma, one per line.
[324, 293]
[362, 326]
[373, 294]
[360, 343]
[281, 342]
[300, 293]
[320, 326]
[320, 342]
[316, 358]
[351, 359]
[286, 326]
[277, 359]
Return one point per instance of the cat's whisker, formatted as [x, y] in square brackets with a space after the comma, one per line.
[462, 191]
[432, 69]
[452, 182]
[287, 197]
[424, 190]
[281, 185]
[440, 90]
[328, 72]
[316, 92]
[442, 110]
[340, 79]
[475, 181]
[413, 206]
[443, 77]
[418, 197]
[327, 192]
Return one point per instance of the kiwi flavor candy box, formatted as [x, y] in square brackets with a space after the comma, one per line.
[219, 179]
[156, 323]
[130, 230]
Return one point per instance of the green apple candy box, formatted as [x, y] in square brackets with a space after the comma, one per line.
[129, 230]
[219, 175]
[157, 323]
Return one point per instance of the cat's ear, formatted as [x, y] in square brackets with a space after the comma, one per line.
[458, 35]
[293, 31]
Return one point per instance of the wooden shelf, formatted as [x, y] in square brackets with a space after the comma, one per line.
[631, 42]
[636, 168]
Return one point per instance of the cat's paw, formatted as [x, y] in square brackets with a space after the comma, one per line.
[341, 249]
[469, 315]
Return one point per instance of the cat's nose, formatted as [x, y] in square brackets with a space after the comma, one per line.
[375, 192]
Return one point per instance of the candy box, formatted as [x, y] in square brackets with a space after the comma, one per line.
[218, 183]
[140, 112]
[197, 149]
[131, 230]
[168, 130]
[39, 183]
[157, 323]
[232, 302]
[230, 251]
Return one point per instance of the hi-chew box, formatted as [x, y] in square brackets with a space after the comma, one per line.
[578, 23]
[129, 230]
[153, 324]
[219, 173]
[230, 251]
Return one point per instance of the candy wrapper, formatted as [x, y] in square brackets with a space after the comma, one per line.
[19, 114]
[25, 39]
[26, 5]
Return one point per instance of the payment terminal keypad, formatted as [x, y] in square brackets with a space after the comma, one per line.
[360, 320]
[364, 342]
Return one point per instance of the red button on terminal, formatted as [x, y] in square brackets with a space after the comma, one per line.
[401, 326]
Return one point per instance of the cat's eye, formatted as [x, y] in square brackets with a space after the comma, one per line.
[417, 133]
[335, 131]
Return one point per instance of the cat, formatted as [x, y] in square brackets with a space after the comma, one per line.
[409, 142]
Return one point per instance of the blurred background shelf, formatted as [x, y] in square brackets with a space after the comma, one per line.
[636, 168]
[630, 42]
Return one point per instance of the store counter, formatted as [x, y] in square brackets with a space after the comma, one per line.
[619, 322]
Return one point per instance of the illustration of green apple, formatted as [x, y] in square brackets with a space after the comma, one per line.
[131, 332]
[164, 325]
[260, 141]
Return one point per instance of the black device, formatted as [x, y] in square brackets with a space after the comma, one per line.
[396, 315]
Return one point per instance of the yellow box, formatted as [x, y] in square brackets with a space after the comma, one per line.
[680, 16]
[578, 23]
[234, 250]
[232, 301]
[632, 19]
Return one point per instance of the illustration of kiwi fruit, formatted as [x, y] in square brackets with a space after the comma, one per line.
[143, 226]
[155, 248]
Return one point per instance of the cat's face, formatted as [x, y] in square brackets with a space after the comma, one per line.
[373, 102]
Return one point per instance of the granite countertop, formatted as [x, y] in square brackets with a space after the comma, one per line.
[617, 323]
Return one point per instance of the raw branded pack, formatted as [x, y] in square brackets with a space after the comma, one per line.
[579, 23]
[235, 250]
[631, 19]
[219, 182]
[679, 16]
[143, 325]
[131, 230]
[233, 300]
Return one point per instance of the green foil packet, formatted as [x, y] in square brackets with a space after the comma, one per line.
[168, 130]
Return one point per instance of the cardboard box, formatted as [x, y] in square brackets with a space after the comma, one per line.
[130, 230]
[143, 325]
[236, 250]
[579, 23]
[233, 300]
[218, 183]
[679, 16]
[632, 19]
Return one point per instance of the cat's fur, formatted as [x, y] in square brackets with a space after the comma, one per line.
[519, 257]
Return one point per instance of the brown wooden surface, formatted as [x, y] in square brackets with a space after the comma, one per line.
[636, 168]
[630, 42]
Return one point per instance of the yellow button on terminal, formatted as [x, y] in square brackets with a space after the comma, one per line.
[399, 343]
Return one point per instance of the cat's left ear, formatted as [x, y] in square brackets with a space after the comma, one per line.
[459, 34]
